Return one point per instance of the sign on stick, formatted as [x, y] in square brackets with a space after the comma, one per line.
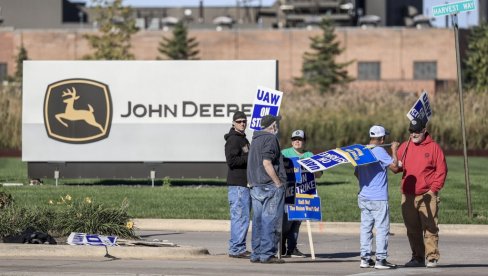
[307, 207]
[267, 102]
[421, 109]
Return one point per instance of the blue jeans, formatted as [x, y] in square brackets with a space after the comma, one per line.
[240, 209]
[374, 213]
[267, 205]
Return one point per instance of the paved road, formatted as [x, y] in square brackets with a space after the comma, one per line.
[336, 254]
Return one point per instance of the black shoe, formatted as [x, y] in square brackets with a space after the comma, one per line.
[414, 262]
[243, 255]
[273, 260]
[384, 264]
[296, 253]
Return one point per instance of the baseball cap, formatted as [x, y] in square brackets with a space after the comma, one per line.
[239, 115]
[298, 133]
[378, 131]
[268, 120]
[416, 125]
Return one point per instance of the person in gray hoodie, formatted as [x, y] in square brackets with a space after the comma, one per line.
[266, 175]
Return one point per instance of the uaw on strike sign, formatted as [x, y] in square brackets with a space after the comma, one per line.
[267, 102]
[357, 155]
[421, 109]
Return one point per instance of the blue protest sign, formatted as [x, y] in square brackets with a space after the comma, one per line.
[266, 102]
[421, 110]
[293, 175]
[91, 239]
[307, 185]
[323, 161]
[306, 208]
[358, 155]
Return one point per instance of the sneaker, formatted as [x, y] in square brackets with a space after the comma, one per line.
[243, 255]
[296, 254]
[384, 264]
[273, 260]
[414, 262]
[366, 263]
[432, 263]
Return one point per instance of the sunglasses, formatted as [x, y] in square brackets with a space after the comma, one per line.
[296, 139]
[416, 132]
[241, 121]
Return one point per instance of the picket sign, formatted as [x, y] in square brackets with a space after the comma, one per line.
[357, 155]
[91, 239]
[266, 102]
[421, 110]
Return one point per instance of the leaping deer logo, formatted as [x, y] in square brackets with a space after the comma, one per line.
[72, 114]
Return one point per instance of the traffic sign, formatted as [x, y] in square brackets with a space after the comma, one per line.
[452, 8]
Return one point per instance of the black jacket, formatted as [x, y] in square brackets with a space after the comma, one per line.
[236, 151]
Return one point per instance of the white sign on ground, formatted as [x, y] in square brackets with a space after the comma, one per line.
[135, 111]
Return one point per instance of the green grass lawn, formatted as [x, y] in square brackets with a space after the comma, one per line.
[197, 199]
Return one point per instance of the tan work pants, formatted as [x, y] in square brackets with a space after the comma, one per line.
[420, 218]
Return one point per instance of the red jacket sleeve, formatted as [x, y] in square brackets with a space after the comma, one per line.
[439, 176]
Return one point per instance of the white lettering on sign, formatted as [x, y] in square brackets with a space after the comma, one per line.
[445, 9]
[264, 111]
[468, 6]
[310, 164]
[256, 122]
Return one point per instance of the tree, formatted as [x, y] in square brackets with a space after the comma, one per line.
[179, 46]
[19, 61]
[477, 62]
[117, 25]
[319, 69]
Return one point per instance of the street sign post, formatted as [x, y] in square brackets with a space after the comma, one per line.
[453, 9]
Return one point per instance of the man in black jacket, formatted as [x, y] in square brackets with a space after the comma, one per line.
[236, 152]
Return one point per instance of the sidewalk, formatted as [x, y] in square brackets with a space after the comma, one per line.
[316, 227]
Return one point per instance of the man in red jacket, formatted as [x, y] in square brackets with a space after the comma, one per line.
[424, 172]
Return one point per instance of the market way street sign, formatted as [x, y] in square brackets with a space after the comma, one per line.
[451, 8]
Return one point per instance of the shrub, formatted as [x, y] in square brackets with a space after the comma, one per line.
[342, 119]
[5, 200]
[89, 217]
[10, 117]
[66, 216]
[14, 220]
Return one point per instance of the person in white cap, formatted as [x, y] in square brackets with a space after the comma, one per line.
[373, 200]
[291, 229]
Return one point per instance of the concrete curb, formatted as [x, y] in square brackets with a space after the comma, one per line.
[87, 251]
[316, 227]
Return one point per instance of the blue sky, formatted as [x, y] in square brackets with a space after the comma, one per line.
[465, 19]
